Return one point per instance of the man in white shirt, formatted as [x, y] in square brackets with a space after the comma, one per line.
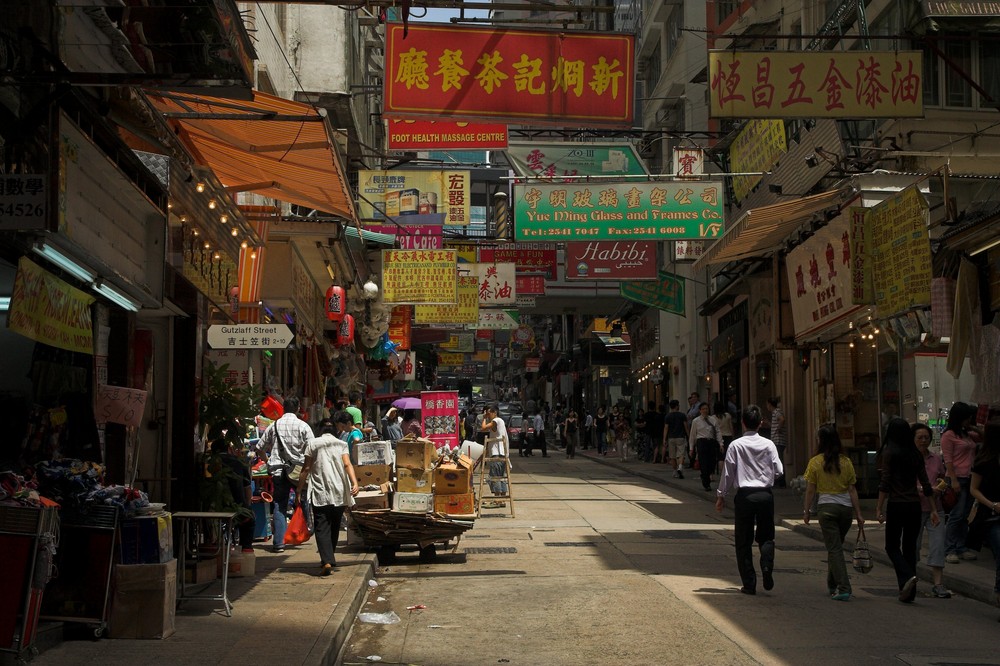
[285, 442]
[538, 423]
[496, 447]
[751, 467]
[705, 440]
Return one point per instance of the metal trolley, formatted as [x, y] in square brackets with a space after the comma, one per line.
[79, 591]
[28, 537]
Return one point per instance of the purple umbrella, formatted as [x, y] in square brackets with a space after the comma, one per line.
[406, 403]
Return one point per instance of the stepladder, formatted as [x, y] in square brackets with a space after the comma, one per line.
[494, 475]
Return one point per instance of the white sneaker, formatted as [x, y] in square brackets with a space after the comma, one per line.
[952, 558]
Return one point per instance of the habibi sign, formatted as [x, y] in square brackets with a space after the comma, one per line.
[611, 260]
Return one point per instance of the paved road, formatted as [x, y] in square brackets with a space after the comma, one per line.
[602, 566]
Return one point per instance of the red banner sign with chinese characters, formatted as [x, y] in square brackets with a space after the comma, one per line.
[526, 285]
[528, 257]
[819, 84]
[445, 135]
[512, 74]
[400, 322]
[439, 414]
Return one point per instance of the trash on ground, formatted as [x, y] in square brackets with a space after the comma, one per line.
[373, 657]
[379, 618]
[417, 607]
[380, 599]
[372, 583]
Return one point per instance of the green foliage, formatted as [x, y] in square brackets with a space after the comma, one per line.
[223, 407]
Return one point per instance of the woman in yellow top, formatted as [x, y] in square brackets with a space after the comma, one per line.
[832, 475]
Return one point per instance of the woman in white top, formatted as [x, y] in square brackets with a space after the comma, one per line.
[725, 421]
[331, 485]
[496, 447]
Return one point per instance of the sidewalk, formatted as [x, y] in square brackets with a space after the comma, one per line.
[285, 613]
[974, 580]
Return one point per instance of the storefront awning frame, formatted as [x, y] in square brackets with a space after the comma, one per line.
[762, 230]
[275, 147]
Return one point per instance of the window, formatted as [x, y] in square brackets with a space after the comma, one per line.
[957, 91]
[723, 8]
[654, 67]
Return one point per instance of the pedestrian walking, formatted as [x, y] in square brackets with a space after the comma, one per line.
[705, 440]
[588, 430]
[572, 425]
[752, 465]
[985, 488]
[621, 429]
[903, 472]
[285, 441]
[329, 483]
[831, 474]
[958, 448]
[725, 421]
[936, 532]
[601, 423]
[676, 433]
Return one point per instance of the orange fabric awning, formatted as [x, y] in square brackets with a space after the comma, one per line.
[272, 146]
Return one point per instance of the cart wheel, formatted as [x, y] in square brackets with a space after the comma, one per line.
[428, 553]
[98, 631]
[386, 554]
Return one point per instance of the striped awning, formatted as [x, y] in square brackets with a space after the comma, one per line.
[271, 146]
[762, 230]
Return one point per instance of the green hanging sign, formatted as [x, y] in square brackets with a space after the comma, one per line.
[665, 293]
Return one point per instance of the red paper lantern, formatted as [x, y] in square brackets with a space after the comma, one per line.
[345, 332]
[336, 303]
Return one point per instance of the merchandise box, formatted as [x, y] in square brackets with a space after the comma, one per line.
[143, 600]
[465, 462]
[147, 539]
[413, 502]
[414, 480]
[373, 475]
[459, 505]
[372, 453]
[415, 453]
[367, 500]
[451, 479]
[242, 564]
[201, 571]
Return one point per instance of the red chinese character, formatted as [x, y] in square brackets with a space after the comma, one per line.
[834, 84]
[725, 83]
[869, 89]
[797, 89]
[763, 92]
[905, 87]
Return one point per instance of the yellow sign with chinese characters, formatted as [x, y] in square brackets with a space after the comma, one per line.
[899, 242]
[465, 311]
[419, 276]
[816, 84]
[755, 149]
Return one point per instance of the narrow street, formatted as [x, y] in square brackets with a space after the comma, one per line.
[601, 566]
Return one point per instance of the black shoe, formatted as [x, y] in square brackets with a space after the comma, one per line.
[768, 579]
[748, 590]
[909, 591]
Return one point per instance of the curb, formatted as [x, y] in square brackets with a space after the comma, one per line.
[332, 639]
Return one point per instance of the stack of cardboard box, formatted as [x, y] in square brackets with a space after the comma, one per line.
[414, 475]
[373, 467]
[453, 487]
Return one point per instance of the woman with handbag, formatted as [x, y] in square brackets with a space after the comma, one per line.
[898, 507]
[934, 465]
[958, 448]
[328, 479]
[985, 488]
[831, 474]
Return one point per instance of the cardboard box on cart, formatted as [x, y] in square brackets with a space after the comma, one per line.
[415, 453]
[456, 505]
[373, 475]
[144, 600]
[414, 480]
[452, 478]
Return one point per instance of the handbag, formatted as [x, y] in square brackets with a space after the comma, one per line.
[296, 471]
[949, 498]
[298, 529]
[861, 558]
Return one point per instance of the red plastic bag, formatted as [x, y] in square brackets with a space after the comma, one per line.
[298, 531]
